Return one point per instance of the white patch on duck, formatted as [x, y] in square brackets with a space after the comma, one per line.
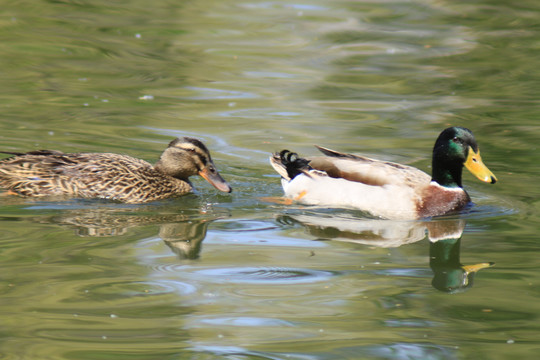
[388, 201]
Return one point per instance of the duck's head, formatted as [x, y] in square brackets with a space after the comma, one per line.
[188, 156]
[454, 148]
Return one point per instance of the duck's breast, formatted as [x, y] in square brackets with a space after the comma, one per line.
[439, 200]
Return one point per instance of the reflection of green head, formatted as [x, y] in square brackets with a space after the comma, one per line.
[452, 280]
[448, 274]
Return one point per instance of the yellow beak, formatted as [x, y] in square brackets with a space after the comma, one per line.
[477, 168]
[476, 267]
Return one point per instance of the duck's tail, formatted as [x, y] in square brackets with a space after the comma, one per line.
[289, 165]
[11, 153]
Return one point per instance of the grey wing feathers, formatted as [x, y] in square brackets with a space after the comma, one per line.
[365, 170]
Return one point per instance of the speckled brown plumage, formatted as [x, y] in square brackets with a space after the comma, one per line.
[108, 175]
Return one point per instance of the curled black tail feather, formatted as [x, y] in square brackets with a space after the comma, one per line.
[293, 163]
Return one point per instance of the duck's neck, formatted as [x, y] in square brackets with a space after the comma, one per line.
[446, 174]
[165, 168]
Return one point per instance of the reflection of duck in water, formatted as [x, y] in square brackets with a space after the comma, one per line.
[110, 176]
[449, 275]
[348, 228]
[385, 189]
[345, 227]
[444, 241]
[183, 233]
[185, 238]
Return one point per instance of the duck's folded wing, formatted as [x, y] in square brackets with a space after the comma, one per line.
[365, 170]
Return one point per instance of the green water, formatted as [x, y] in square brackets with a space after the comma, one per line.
[229, 276]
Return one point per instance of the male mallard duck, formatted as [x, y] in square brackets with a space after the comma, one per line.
[110, 176]
[385, 189]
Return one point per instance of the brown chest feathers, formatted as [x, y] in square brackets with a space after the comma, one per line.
[437, 200]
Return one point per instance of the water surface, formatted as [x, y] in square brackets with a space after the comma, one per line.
[230, 276]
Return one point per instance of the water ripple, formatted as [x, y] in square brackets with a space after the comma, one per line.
[223, 350]
[244, 321]
[217, 94]
[245, 226]
[122, 290]
[265, 275]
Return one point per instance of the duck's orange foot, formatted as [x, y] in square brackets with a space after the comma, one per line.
[301, 195]
[8, 193]
[277, 200]
[282, 200]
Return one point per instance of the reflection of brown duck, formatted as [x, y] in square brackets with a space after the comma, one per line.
[385, 189]
[110, 176]
[185, 238]
[104, 222]
[183, 233]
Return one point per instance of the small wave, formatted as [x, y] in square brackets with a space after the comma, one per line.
[265, 275]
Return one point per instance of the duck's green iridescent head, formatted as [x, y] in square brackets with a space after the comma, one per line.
[455, 147]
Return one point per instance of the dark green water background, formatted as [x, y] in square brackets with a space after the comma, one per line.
[229, 276]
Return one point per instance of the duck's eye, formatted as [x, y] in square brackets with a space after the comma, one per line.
[457, 140]
[192, 150]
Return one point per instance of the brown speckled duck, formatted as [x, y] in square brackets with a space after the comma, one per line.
[110, 176]
[385, 189]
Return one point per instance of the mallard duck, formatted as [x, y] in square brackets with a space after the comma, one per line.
[110, 176]
[385, 189]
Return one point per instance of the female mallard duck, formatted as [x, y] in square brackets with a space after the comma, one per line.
[110, 176]
[385, 189]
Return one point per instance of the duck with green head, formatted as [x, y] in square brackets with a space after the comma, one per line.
[385, 189]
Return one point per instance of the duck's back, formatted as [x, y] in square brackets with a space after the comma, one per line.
[87, 175]
[370, 171]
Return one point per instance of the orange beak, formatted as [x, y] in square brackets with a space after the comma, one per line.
[477, 168]
[211, 175]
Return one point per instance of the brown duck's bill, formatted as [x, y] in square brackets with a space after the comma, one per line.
[477, 168]
[215, 179]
